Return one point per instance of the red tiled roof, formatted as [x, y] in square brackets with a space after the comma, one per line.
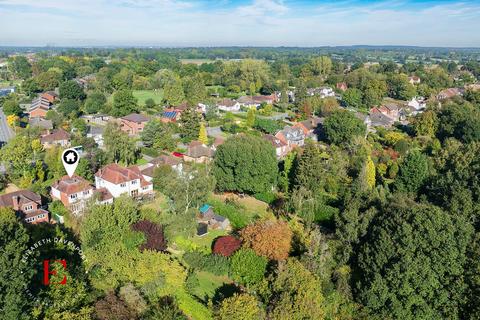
[116, 174]
[72, 185]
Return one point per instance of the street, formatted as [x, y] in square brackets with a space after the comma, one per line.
[6, 133]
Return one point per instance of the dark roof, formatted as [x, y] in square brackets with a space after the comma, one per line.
[196, 150]
[165, 159]
[39, 122]
[136, 117]
[24, 196]
[277, 143]
[56, 135]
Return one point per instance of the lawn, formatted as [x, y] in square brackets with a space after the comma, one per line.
[208, 283]
[240, 211]
[143, 95]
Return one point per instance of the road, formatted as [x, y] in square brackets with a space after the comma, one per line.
[6, 133]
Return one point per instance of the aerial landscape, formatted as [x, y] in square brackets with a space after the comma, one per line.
[239, 160]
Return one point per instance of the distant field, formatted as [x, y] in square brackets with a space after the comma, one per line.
[143, 95]
[196, 61]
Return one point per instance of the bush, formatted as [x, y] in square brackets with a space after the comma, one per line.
[226, 246]
[268, 197]
[215, 264]
[154, 234]
[247, 267]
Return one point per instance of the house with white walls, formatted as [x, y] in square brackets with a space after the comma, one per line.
[119, 180]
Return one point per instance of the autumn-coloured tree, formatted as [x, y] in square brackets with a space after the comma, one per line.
[154, 234]
[270, 239]
[226, 246]
[202, 134]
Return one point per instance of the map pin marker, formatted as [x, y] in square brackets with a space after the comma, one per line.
[70, 160]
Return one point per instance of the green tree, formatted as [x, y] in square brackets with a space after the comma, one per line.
[247, 267]
[195, 91]
[240, 307]
[119, 146]
[71, 90]
[412, 263]
[69, 108]
[413, 172]
[426, 124]
[342, 126]
[173, 92]
[11, 107]
[321, 66]
[190, 124]
[17, 154]
[399, 87]
[49, 80]
[310, 167]
[188, 190]
[245, 164]
[95, 102]
[124, 103]
[297, 293]
[15, 274]
[472, 277]
[158, 135]
[353, 97]
[250, 121]
[22, 69]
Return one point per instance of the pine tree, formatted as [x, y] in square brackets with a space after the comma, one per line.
[202, 134]
[190, 122]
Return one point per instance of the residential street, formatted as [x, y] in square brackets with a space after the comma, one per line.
[6, 133]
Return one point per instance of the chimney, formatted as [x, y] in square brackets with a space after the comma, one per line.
[16, 206]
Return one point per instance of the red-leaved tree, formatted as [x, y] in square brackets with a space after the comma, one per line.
[226, 245]
[154, 234]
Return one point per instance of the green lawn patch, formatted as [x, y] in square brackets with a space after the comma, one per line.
[208, 283]
[144, 95]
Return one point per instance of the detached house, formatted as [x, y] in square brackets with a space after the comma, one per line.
[119, 180]
[281, 148]
[417, 105]
[228, 105]
[198, 153]
[133, 124]
[291, 136]
[163, 160]
[39, 108]
[449, 93]
[310, 127]
[323, 92]
[390, 110]
[414, 80]
[58, 137]
[27, 204]
[74, 192]
[50, 96]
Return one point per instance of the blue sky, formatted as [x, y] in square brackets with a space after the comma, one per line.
[240, 22]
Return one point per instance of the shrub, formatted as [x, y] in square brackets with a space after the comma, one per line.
[226, 246]
[154, 234]
[247, 267]
[215, 264]
[268, 197]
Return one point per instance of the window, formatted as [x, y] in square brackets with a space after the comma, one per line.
[30, 219]
[28, 208]
[85, 193]
[73, 196]
[134, 181]
[134, 193]
[123, 185]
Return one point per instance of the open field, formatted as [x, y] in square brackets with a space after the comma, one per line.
[196, 61]
[143, 95]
